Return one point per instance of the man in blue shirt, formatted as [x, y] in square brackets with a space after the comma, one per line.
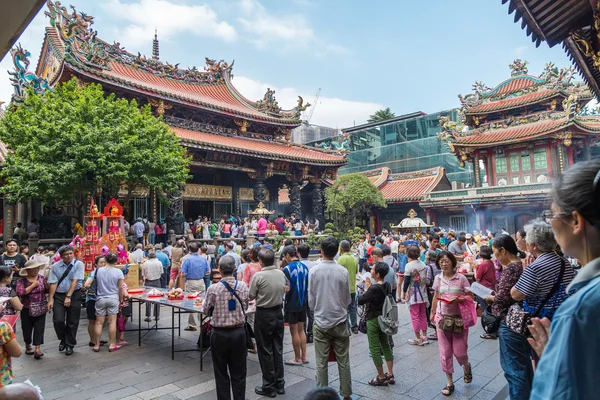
[164, 259]
[191, 276]
[65, 279]
[296, 302]
[230, 251]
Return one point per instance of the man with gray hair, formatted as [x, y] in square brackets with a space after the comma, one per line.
[152, 270]
[137, 255]
[268, 287]
[229, 298]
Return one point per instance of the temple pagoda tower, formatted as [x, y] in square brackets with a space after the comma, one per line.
[525, 130]
[519, 136]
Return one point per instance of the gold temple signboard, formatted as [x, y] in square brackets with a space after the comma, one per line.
[247, 194]
[206, 192]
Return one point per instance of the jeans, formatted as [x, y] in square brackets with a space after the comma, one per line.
[151, 237]
[340, 338]
[516, 362]
[352, 311]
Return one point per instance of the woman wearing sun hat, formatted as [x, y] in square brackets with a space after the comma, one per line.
[30, 289]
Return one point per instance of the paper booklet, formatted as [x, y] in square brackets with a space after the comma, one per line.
[479, 290]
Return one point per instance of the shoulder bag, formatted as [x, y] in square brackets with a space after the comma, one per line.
[249, 332]
[517, 319]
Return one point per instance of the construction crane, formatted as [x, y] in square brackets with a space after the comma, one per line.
[308, 115]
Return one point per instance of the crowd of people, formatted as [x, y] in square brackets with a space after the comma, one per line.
[542, 307]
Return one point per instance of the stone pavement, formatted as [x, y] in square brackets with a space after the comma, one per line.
[147, 372]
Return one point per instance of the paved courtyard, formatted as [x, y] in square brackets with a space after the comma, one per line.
[147, 372]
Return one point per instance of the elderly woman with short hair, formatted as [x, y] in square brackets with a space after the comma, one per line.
[539, 277]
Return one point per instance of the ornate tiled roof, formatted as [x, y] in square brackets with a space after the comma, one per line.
[271, 150]
[514, 84]
[405, 187]
[72, 43]
[513, 102]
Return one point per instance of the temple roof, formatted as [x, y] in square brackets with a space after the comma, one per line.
[514, 102]
[72, 44]
[407, 186]
[266, 149]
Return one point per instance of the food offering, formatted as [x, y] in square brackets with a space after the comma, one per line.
[175, 294]
[198, 302]
[155, 293]
[193, 295]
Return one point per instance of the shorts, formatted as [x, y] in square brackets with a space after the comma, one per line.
[293, 317]
[90, 309]
[108, 306]
[126, 311]
[174, 274]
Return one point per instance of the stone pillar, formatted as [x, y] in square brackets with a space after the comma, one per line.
[317, 198]
[260, 191]
[33, 242]
[295, 198]
[21, 212]
[273, 196]
[175, 216]
[9, 220]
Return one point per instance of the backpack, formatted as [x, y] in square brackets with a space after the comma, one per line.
[388, 320]
[146, 227]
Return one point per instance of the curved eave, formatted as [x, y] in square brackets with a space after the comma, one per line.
[261, 154]
[165, 95]
[439, 175]
[504, 105]
[536, 80]
[249, 103]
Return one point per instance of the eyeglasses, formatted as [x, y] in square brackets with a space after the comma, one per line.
[549, 215]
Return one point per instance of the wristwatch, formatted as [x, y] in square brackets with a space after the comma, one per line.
[68, 297]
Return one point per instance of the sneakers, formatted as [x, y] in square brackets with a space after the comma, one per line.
[425, 341]
[416, 342]
[148, 319]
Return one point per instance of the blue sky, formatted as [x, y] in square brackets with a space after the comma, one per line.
[406, 55]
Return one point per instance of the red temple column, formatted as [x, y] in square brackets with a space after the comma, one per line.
[428, 216]
[570, 155]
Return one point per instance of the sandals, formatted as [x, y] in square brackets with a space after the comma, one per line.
[448, 390]
[38, 355]
[114, 348]
[486, 336]
[29, 350]
[293, 363]
[390, 379]
[377, 382]
[468, 375]
[96, 349]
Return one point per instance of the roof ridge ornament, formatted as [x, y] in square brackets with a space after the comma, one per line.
[518, 67]
[21, 80]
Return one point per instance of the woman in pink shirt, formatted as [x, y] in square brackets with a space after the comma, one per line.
[485, 272]
[261, 227]
[450, 286]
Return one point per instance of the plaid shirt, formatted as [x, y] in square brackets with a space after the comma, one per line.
[218, 296]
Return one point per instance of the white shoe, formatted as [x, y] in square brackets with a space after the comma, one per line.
[416, 342]
[425, 341]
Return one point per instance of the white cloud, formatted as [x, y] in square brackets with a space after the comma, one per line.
[281, 32]
[330, 111]
[519, 51]
[171, 19]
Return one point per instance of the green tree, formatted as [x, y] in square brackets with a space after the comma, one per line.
[381, 115]
[73, 142]
[349, 200]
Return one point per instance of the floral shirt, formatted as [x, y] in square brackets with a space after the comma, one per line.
[36, 295]
[509, 277]
[447, 289]
[6, 373]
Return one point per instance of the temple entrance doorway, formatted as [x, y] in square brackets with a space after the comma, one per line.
[193, 208]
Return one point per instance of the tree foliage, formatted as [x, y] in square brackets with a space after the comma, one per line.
[381, 115]
[349, 200]
[70, 143]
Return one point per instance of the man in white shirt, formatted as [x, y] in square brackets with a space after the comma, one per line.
[137, 255]
[329, 298]
[230, 251]
[138, 230]
[394, 247]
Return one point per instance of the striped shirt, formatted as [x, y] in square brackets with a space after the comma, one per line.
[537, 281]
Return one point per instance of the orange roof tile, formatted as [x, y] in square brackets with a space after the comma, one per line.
[514, 84]
[411, 186]
[512, 102]
[513, 134]
[272, 150]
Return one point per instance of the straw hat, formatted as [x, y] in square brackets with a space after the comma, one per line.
[31, 264]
